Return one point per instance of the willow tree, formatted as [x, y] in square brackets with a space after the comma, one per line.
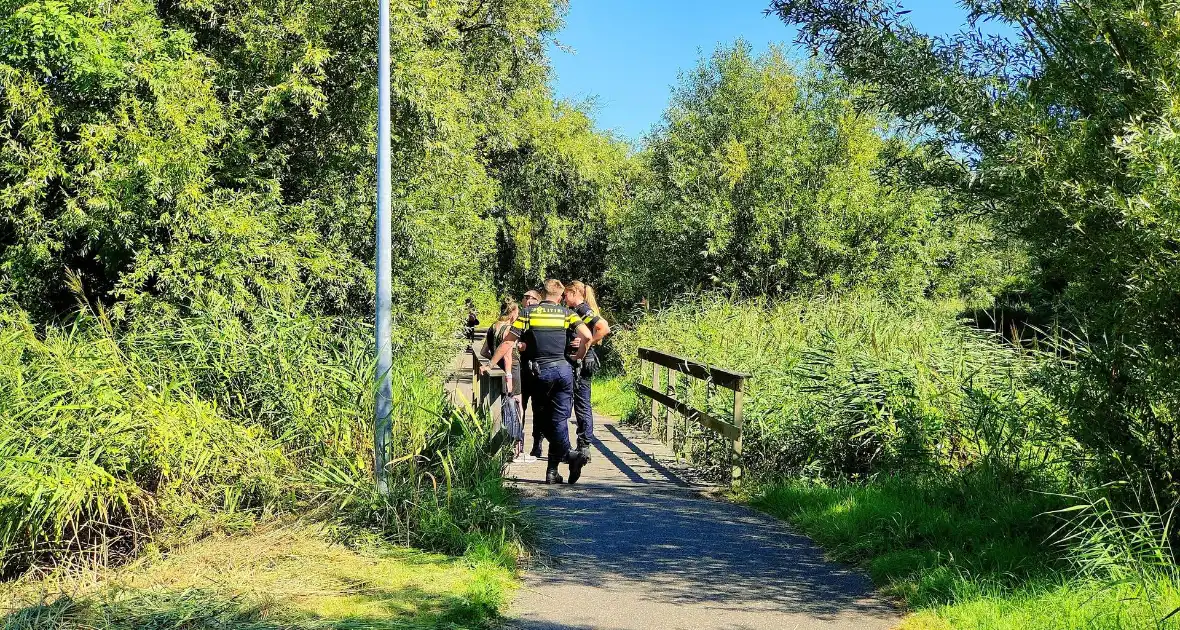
[157, 153]
[1063, 128]
[561, 186]
[765, 179]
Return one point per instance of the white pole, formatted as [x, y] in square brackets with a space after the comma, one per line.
[382, 426]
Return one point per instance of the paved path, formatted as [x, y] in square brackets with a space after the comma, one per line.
[633, 547]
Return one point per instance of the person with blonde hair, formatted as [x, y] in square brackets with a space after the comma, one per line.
[513, 416]
[544, 328]
[580, 297]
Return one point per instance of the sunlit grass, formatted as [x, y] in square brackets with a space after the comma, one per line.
[967, 553]
[289, 576]
[612, 395]
[1061, 606]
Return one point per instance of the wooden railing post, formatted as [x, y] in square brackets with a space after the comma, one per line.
[669, 416]
[494, 389]
[655, 385]
[484, 384]
[710, 392]
[686, 442]
[486, 389]
[475, 377]
[738, 422]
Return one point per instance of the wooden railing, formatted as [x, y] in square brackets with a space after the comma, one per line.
[487, 390]
[728, 429]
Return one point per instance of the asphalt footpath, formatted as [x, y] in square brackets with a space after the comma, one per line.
[634, 546]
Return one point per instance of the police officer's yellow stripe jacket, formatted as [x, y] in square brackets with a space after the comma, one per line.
[589, 317]
[543, 329]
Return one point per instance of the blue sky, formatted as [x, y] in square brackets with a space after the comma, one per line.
[627, 53]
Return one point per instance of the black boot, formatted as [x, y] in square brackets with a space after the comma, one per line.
[584, 449]
[577, 460]
[553, 477]
[536, 452]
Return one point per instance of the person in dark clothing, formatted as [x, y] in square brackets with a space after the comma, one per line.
[580, 297]
[472, 321]
[543, 329]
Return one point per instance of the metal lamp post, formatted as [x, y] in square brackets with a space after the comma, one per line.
[382, 425]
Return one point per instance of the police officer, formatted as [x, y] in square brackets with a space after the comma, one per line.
[580, 297]
[543, 329]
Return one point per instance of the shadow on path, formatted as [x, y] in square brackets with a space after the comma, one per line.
[633, 547]
[648, 459]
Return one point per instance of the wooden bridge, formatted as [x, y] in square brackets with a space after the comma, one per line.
[680, 425]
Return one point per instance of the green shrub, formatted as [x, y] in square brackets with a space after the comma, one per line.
[1123, 401]
[223, 147]
[446, 491]
[304, 380]
[767, 179]
[1063, 131]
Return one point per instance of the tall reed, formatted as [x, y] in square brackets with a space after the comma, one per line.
[97, 452]
[112, 438]
[852, 386]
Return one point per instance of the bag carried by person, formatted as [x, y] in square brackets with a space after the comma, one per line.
[510, 418]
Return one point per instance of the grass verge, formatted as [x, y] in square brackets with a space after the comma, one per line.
[612, 395]
[962, 554]
[288, 576]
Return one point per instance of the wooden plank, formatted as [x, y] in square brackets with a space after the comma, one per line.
[724, 378]
[724, 428]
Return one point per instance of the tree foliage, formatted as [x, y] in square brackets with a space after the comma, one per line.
[161, 151]
[1063, 128]
[765, 180]
[560, 188]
